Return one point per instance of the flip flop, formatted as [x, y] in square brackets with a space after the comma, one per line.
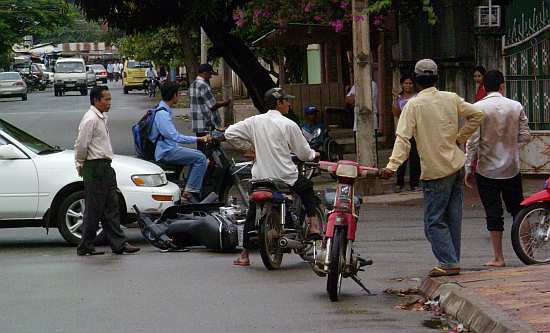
[440, 271]
[241, 262]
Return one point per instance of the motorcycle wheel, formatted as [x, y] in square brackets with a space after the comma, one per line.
[270, 229]
[529, 232]
[336, 266]
[232, 195]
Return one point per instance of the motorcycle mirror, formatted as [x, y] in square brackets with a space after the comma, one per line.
[317, 132]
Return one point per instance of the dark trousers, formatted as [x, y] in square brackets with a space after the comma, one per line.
[201, 146]
[101, 205]
[414, 168]
[492, 192]
[303, 188]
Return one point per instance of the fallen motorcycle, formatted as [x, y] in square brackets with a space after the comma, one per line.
[336, 258]
[207, 224]
[531, 228]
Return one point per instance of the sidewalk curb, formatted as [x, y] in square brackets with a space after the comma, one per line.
[470, 309]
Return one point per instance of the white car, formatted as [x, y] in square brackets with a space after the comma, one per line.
[39, 185]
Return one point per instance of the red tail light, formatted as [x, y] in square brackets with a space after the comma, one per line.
[19, 83]
[103, 73]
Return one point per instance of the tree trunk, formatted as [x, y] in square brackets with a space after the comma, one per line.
[239, 57]
[190, 58]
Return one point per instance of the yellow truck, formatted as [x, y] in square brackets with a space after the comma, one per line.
[133, 75]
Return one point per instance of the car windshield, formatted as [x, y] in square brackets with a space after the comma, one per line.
[138, 64]
[9, 77]
[97, 68]
[29, 141]
[69, 67]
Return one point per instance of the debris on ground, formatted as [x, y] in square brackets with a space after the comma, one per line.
[402, 292]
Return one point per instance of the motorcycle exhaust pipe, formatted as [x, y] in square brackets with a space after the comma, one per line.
[286, 243]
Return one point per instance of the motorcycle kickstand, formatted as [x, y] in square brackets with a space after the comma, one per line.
[358, 281]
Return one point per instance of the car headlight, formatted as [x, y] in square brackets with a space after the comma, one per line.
[150, 180]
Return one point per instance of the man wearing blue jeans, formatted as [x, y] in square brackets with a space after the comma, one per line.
[432, 118]
[167, 139]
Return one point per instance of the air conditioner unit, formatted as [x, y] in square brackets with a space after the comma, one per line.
[487, 17]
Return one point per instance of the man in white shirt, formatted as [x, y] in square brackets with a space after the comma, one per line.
[495, 146]
[274, 137]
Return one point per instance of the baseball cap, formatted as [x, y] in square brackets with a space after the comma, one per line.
[206, 68]
[425, 67]
[310, 109]
[274, 94]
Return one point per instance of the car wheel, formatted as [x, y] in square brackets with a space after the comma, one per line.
[84, 92]
[125, 90]
[24, 97]
[70, 216]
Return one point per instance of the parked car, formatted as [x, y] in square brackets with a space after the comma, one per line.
[70, 75]
[12, 85]
[100, 73]
[40, 186]
[133, 75]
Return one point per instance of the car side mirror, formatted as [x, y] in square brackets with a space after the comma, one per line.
[10, 152]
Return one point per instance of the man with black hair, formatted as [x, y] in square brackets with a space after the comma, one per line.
[432, 118]
[204, 108]
[496, 147]
[93, 156]
[167, 139]
[274, 137]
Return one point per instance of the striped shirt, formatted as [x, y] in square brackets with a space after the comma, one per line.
[202, 101]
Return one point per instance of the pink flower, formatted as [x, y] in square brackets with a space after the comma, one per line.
[317, 18]
[338, 25]
[344, 4]
[307, 7]
[239, 18]
[359, 18]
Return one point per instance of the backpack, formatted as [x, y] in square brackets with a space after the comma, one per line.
[145, 148]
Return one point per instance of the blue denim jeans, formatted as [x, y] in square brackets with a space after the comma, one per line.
[443, 201]
[196, 161]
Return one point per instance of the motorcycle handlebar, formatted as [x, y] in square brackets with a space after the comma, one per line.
[330, 167]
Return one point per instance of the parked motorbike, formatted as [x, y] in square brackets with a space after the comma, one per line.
[151, 87]
[329, 149]
[531, 228]
[280, 222]
[336, 258]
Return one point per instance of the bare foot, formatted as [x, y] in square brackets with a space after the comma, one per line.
[495, 263]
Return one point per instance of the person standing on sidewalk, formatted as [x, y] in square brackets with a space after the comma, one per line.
[93, 156]
[399, 102]
[432, 118]
[495, 146]
[204, 108]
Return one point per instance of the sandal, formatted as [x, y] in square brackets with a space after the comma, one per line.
[240, 261]
[441, 271]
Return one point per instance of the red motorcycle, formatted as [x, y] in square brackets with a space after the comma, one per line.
[336, 258]
[531, 228]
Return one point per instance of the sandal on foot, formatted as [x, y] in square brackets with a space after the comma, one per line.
[441, 271]
[241, 262]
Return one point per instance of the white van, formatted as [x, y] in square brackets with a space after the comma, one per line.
[70, 75]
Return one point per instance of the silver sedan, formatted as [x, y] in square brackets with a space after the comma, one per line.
[12, 85]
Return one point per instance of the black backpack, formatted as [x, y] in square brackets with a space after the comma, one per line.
[145, 148]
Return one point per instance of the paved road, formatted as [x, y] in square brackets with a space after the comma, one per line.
[46, 288]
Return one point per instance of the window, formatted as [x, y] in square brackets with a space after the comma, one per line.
[69, 67]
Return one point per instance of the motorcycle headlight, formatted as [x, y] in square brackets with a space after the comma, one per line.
[150, 180]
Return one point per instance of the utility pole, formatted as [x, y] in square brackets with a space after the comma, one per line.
[362, 67]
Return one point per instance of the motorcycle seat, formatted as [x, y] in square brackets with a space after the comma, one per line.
[270, 184]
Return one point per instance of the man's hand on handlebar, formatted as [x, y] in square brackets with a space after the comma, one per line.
[386, 173]
[317, 156]
[206, 138]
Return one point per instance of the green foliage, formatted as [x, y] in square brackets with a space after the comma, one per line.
[19, 18]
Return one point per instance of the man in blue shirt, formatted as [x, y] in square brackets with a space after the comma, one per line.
[167, 149]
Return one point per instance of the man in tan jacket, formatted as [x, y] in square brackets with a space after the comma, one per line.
[432, 118]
